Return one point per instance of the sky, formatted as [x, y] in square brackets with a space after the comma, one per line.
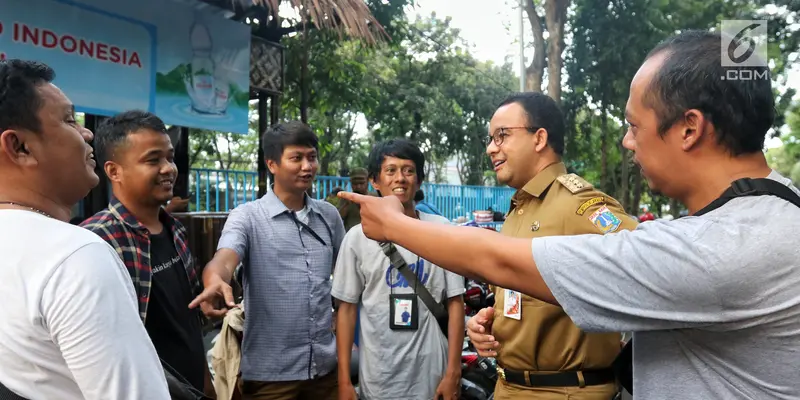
[497, 21]
[492, 28]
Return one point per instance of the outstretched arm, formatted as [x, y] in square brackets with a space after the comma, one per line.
[478, 253]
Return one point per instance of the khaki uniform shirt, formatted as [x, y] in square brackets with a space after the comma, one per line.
[353, 216]
[545, 339]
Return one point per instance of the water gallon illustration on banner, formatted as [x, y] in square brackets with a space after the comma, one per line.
[205, 83]
[206, 79]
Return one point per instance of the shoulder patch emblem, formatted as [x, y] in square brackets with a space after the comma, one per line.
[588, 203]
[574, 183]
[605, 220]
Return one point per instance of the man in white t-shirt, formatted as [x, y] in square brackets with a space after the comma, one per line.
[712, 299]
[71, 328]
[403, 353]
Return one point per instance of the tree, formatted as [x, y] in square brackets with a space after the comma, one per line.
[607, 37]
[225, 150]
[438, 95]
[338, 90]
[353, 18]
[786, 158]
[610, 38]
[362, 21]
[326, 68]
[547, 52]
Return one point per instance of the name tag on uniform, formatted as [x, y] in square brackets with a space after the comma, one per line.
[513, 306]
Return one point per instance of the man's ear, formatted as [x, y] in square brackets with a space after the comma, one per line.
[374, 184]
[15, 144]
[541, 139]
[695, 129]
[272, 166]
[113, 171]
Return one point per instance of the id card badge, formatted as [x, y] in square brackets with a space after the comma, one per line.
[403, 312]
[513, 304]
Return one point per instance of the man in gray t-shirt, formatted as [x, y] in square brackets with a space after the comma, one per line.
[395, 362]
[713, 299]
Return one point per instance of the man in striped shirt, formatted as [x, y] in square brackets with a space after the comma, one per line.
[287, 243]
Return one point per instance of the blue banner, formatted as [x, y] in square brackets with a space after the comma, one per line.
[189, 67]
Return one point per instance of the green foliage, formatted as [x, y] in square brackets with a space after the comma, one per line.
[440, 96]
[795, 174]
[224, 150]
[786, 159]
[425, 85]
[610, 40]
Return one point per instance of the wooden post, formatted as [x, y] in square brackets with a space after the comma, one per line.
[274, 115]
[262, 126]
[97, 199]
[182, 162]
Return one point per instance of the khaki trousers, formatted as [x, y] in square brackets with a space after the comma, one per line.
[321, 388]
[510, 391]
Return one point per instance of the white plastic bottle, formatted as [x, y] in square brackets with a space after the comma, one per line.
[201, 69]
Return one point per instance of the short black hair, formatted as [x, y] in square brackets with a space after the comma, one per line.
[692, 77]
[292, 133]
[419, 196]
[19, 100]
[400, 148]
[542, 112]
[113, 132]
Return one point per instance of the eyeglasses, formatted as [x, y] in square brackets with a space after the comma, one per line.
[500, 134]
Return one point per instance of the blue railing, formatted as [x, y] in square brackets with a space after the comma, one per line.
[223, 190]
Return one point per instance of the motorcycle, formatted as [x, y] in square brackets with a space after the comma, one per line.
[478, 374]
[476, 297]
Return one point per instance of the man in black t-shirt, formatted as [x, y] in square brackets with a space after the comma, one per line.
[137, 156]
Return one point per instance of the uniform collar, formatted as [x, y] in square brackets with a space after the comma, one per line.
[536, 186]
[275, 206]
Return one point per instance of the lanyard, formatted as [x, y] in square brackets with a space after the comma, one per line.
[301, 224]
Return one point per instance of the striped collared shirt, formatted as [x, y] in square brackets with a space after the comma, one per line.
[287, 286]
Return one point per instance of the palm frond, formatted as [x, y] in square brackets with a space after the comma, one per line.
[349, 17]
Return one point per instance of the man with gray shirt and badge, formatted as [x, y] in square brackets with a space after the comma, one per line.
[403, 353]
[287, 243]
[712, 299]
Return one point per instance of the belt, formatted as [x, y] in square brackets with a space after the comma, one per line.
[559, 379]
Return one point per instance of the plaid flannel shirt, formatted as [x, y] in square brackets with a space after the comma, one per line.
[119, 228]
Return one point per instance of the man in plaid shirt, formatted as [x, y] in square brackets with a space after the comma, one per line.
[137, 157]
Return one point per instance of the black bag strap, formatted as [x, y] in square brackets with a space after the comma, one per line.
[179, 387]
[7, 394]
[623, 364]
[438, 310]
[752, 187]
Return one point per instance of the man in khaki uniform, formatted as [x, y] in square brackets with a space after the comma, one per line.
[541, 354]
[349, 211]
